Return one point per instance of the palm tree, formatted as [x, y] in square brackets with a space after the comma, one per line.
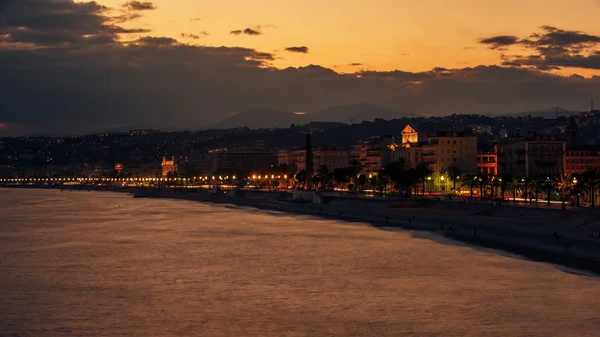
[420, 173]
[549, 185]
[454, 175]
[516, 186]
[470, 180]
[505, 183]
[323, 175]
[494, 184]
[564, 184]
[482, 182]
[591, 183]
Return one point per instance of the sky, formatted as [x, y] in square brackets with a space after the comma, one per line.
[80, 67]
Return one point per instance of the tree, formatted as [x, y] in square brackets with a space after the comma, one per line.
[361, 181]
[505, 183]
[591, 183]
[515, 187]
[301, 177]
[564, 184]
[341, 176]
[454, 175]
[421, 172]
[470, 180]
[323, 175]
[548, 185]
[482, 182]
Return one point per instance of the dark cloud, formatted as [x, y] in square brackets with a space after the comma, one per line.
[498, 42]
[88, 74]
[59, 23]
[552, 48]
[156, 41]
[302, 49]
[193, 36]
[140, 5]
[250, 31]
[355, 64]
[247, 31]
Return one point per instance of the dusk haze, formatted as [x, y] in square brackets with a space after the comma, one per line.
[311, 168]
[113, 65]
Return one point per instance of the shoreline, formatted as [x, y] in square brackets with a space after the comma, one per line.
[571, 253]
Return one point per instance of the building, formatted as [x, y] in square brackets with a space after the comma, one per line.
[441, 150]
[579, 159]
[168, 166]
[235, 160]
[451, 149]
[373, 154]
[331, 157]
[487, 164]
[531, 156]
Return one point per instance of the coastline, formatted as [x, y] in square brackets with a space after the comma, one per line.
[535, 244]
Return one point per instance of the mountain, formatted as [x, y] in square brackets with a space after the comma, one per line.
[261, 118]
[548, 113]
[354, 113]
[267, 118]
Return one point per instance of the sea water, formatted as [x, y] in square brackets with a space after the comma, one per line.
[105, 264]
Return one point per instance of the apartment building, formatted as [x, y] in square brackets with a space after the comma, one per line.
[373, 154]
[225, 160]
[331, 157]
[539, 155]
[487, 164]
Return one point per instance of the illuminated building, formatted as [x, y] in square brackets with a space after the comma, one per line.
[373, 154]
[118, 168]
[538, 155]
[579, 159]
[225, 160]
[332, 157]
[168, 166]
[487, 164]
[441, 150]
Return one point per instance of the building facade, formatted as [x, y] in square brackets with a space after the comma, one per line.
[452, 149]
[578, 161]
[230, 161]
[441, 150]
[168, 166]
[487, 164]
[531, 157]
[331, 157]
[373, 154]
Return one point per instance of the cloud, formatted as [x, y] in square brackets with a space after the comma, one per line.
[196, 19]
[355, 64]
[193, 36]
[68, 68]
[250, 31]
[501, 41]
[36, 24]
[551, 48]
[140, 6]
[247, 31]
[156, 41]
[301, 50]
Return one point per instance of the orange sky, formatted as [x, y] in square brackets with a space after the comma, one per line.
[380, 34]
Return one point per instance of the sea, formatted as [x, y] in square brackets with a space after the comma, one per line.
[106, 264]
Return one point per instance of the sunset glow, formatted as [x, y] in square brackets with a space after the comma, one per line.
[381, 35]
